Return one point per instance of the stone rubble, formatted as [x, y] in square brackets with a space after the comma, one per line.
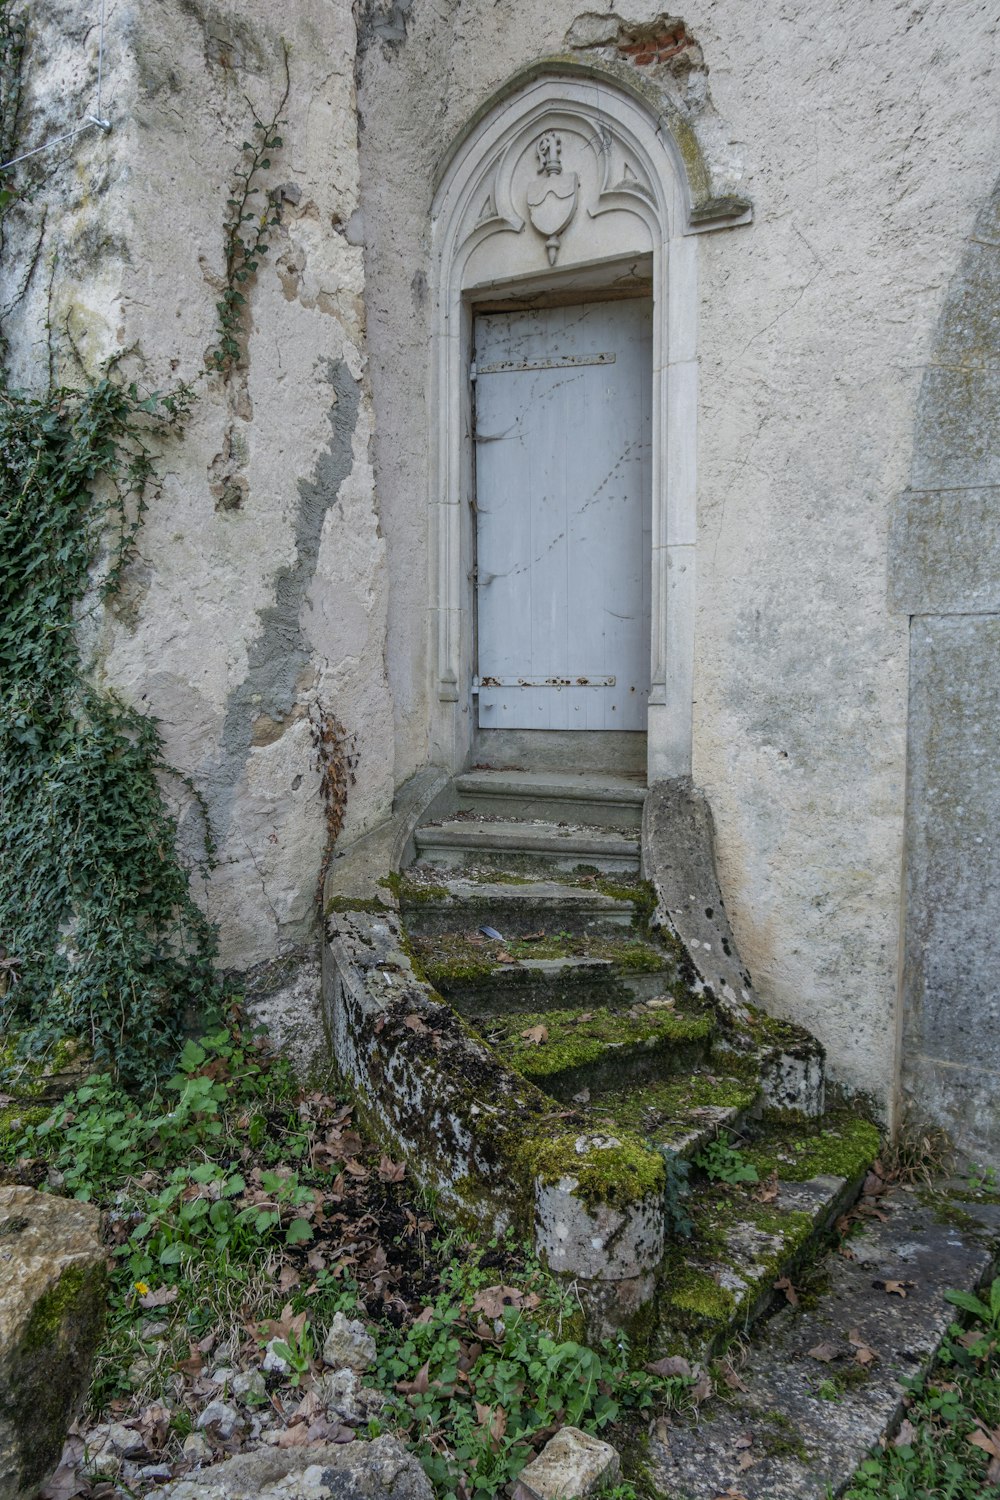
[571, 1466]
[348, 1345]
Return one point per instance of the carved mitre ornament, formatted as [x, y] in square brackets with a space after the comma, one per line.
[552, 199]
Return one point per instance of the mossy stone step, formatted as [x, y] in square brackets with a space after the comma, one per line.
[482, 977]
[527, 844]
[435, 900]
[745, 1237]
[565, 1052]
[680, 1115]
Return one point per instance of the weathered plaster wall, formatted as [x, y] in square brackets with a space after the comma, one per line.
[865, 136]
[259, 594]
[945, 575]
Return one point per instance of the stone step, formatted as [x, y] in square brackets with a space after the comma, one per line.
[482, 977]
[681, 1115]
[437, 900]
[805, 1424]
[521, 845]
[601, 800]
[745, 1236]
[571, 1051]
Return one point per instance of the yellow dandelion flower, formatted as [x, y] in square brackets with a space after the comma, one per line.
[142, 1289]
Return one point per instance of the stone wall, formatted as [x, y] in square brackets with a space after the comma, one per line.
[864, 141]
[257, 602]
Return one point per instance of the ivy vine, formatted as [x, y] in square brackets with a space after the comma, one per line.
[247, 230]
[101, 939]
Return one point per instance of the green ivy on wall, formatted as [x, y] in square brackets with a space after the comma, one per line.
[100, 938]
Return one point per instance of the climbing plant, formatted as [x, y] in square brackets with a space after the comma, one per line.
[100, 938]
[248, 226]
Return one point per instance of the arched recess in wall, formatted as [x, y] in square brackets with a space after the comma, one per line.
[944, 573]
[636, 210]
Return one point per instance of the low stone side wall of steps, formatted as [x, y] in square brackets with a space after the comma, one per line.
[493, 1148]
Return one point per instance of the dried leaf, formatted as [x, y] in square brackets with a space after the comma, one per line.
[729, 1375]
[414, 1023]
[65, 1483]
[494, 1301]
[419, 1385]
[988, 1441]
[702, 1388]
[784, 1285]
[294, 1437]
[161, 1297]
[906, 1434]
[825, 1352]
[744, 1440]
[896, 1288]
[768, 1189]
[673, 1364]
[536, 1034]
[391, 1171]
[745, 1461]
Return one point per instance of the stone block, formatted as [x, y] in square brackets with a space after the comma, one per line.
[52, 1305]
[380, 1470]
[571, 1466]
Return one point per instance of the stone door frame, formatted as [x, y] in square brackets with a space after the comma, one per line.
[652, 222]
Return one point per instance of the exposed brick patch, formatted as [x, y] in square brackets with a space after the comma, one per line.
[645, 47]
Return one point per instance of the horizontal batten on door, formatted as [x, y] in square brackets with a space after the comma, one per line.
[564, 362]
[533, 682]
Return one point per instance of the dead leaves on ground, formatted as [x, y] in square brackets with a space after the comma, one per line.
[989, 1441]
[536, 1035]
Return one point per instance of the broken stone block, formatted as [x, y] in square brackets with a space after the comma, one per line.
[52, 1304]
[382, 1470]
[571, 1466]
[348, 1345]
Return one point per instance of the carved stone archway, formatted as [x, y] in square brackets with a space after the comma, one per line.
[566, 182]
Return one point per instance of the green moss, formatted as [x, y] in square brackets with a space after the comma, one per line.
[780, 1438]
[41, 1077]
[844, 1147]
[576, 1041]
[414, 895]
[15, 1120]
[347, 904]
[50, 1311]
[617, 1175]
[641, 895]
[785, 1035]
[699, 1295]
[673, 1103]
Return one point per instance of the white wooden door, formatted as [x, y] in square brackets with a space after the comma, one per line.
[564, 504]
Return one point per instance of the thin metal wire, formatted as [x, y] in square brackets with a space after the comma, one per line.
[92, 121]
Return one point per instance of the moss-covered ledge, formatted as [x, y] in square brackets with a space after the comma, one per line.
[491, 1147]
